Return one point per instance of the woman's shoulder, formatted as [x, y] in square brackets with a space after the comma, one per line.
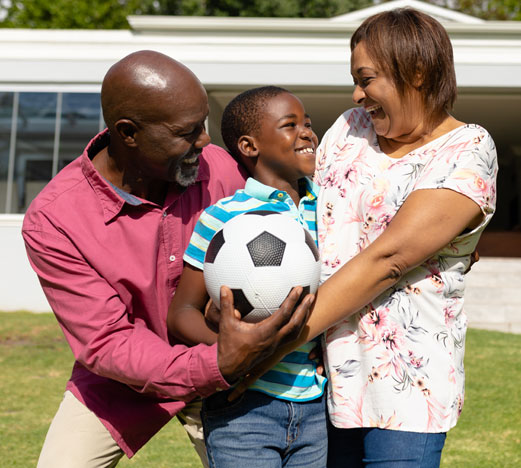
[471, 137]
[474, 132]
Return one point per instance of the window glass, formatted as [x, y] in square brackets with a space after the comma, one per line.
[6, 112]
[80, 122]
[34, 146]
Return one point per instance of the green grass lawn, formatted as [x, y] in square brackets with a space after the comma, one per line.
[36, 362]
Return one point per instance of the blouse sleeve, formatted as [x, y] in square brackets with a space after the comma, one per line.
[467, 165]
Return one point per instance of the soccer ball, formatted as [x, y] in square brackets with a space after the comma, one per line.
[261, 256]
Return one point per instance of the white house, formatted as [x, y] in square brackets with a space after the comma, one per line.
[49, 108]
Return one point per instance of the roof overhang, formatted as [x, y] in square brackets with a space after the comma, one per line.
[243, 52]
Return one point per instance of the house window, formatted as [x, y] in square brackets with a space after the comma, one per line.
[39, 134]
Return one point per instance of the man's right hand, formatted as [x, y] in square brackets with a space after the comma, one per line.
[242, 345]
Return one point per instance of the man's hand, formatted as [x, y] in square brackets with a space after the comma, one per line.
[241, 345]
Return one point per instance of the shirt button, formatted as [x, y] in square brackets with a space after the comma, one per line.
[218, 389]
[164, 214]
[172, 258]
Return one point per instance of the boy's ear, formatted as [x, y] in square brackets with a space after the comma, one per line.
[247, 146]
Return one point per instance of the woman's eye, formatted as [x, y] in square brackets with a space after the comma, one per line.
[365, 82]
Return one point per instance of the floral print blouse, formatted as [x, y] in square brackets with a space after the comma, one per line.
[398, 362]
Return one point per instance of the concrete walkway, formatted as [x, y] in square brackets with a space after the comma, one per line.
[493, 294]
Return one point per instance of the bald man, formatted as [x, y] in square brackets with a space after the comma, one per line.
[106, 238]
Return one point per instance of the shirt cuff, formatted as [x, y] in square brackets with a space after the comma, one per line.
[204, 370]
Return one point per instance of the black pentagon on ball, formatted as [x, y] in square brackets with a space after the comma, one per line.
[266, 250]
[312, 246]
[215, 245]
[241, 303]
[261, 213]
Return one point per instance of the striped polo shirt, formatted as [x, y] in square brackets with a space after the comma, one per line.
[295, 377]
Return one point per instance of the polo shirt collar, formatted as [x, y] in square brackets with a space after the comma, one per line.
[263, 192]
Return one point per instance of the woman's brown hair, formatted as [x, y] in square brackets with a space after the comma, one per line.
[415, 51]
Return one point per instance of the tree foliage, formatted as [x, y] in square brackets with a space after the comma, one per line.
[112, 14]
[67, 14]
[498, 10]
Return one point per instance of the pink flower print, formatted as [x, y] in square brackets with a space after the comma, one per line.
[392, 337]
[331, 179]
[374, 375]
[459, 401]
[334, 263]
[342, 151]
[449, 315]
[452, 375]
[409, 289]
[352, 416]
[436, 281]
[433, 266]
[327, 217]
[372, 321]
[480, 183]
[384, 220]
[379, 318]
[377, 201]
[389, 423]
[420, 384]
[368, 223]
[415, 361]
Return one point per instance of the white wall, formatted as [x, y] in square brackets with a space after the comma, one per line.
[19, 286]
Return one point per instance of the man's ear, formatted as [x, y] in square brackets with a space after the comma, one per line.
[127, 131]
[248, 146]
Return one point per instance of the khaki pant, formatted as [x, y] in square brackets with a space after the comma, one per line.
[76, 438]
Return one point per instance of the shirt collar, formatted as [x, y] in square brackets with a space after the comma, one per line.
[263, 192]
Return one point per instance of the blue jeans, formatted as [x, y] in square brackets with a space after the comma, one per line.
[258, 431]
[383, 448]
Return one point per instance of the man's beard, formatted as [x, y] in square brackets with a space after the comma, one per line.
[186, 175]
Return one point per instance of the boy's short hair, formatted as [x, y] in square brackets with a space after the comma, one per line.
[242, 115]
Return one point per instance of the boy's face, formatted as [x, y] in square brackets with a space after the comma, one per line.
[286, 141]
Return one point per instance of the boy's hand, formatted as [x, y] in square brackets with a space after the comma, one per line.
[212, 314]
[241, 345]
[316, 354]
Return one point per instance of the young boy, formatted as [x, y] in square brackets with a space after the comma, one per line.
[281, 419]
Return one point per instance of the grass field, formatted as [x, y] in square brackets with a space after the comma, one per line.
[36, 362]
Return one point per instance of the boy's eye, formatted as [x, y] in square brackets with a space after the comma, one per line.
[288, 124]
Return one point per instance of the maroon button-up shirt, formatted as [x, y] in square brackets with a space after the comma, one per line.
[109, 265]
